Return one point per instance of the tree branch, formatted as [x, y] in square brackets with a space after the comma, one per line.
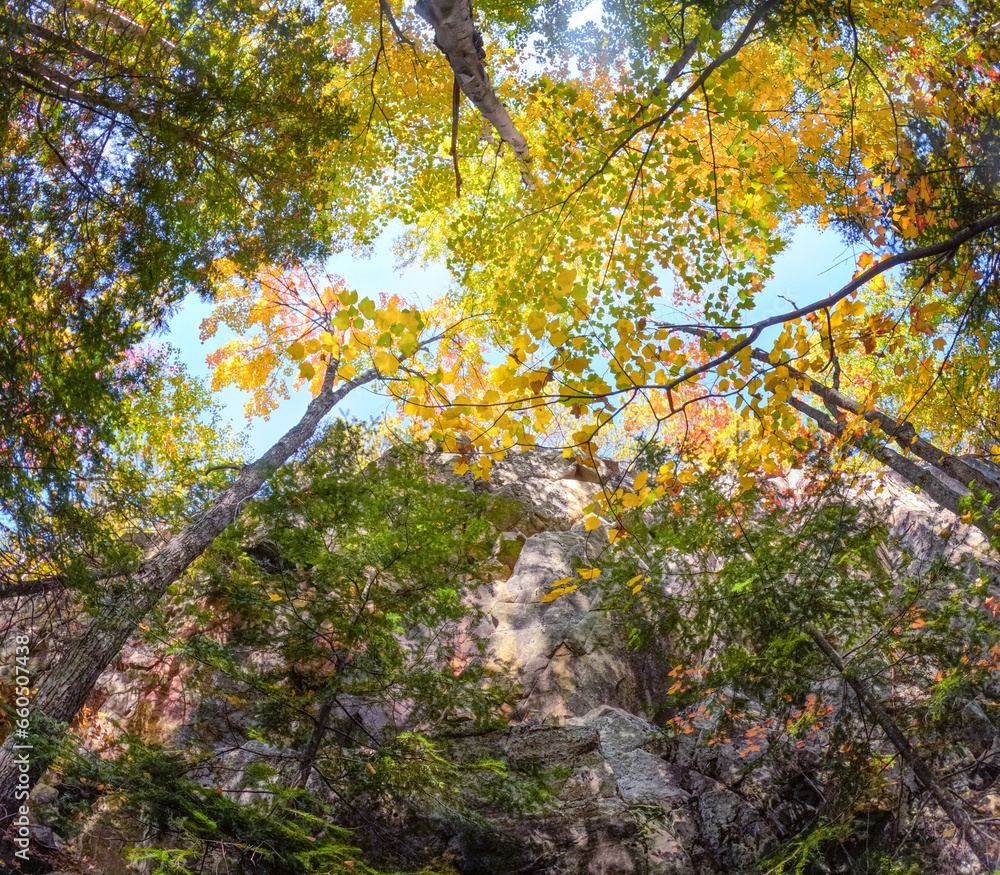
[757, 328]
[694, 87]
[690, 47]
[48, 82]
[955, 811]
[386, 10]
[455, 34]
[456, 100]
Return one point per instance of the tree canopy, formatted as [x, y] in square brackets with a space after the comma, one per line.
[609, 200]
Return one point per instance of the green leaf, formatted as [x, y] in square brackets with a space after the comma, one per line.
[742, 585]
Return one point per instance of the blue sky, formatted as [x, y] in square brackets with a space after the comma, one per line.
[813, 266]
[368, 277]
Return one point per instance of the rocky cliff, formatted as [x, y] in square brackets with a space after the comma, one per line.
[622, 792]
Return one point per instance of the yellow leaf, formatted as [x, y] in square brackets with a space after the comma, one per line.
[535, 323]
[297, 351]
[386, 362]
[552, 596]
[591, 523]
[307, 371]
[640, 481]
[566, 279]
[588, 573]
[274, 597]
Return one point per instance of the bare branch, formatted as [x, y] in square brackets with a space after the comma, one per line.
[456, 99]
[910, 471]
[757, 328]
[386, 10]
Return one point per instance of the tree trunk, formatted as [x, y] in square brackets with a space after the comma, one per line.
[910, 471]
[955, 810]
[320, 726]
[925, 480]
[902, 432]
[71, 681]
[456, 35]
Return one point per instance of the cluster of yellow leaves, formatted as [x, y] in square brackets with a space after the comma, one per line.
[562, 288]
[752, 145]
[302, 328]
[568, 585]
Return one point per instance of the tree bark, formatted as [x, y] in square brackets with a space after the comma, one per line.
[954, 810]
[902, 432]
[940, 492]
[456, 36]
[925, 480]
[309, 755]
[72, 680]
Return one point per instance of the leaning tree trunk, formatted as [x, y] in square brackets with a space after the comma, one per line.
[455, 34]
[72, 679]
[923, 478]
[952, 807]
[902, 432]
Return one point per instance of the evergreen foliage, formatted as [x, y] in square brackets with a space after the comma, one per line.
[747, 574]
[329, 643]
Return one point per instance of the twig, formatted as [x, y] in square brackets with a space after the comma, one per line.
[386, 10]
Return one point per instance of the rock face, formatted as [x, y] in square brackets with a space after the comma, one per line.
[626, 807]
[626, 800]
[569, 654]
[623, 798]
[621, 802]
